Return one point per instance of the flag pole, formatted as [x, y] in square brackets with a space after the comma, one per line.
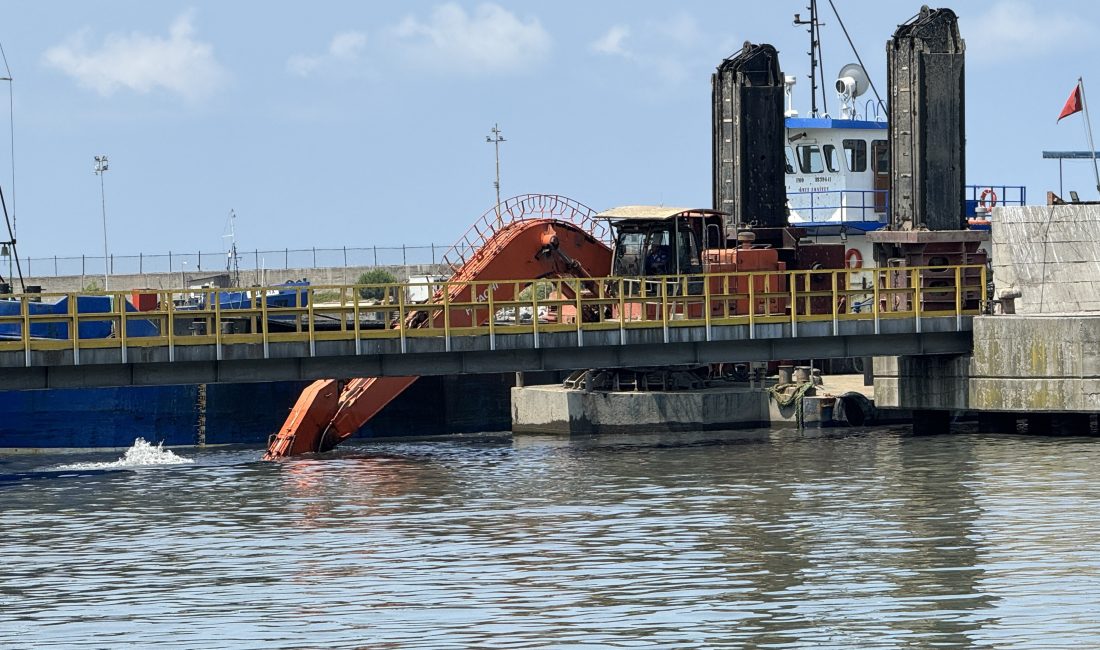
[1088, 128]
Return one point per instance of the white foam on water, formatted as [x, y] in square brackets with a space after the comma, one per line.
[140, 455]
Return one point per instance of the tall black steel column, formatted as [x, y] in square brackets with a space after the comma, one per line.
[748, 138]
[925, 70]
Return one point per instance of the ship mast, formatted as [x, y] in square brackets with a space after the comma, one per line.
[814, 30]
[232, 263]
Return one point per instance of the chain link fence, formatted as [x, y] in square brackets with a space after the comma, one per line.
[287, 258]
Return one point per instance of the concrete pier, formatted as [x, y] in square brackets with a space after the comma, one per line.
[562, 411]
[1039, 358]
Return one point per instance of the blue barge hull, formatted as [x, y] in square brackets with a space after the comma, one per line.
[90, 418]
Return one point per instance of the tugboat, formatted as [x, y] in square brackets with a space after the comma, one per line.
[838, 168]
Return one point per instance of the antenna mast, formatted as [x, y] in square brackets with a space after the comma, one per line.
[814, 30]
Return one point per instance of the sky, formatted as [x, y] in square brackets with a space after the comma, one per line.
[345, 123]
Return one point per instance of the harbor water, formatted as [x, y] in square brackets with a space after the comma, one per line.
[862, 538]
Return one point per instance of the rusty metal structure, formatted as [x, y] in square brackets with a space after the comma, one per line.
[748, 136]
[524, 238]
[927, 114]
[925, 64]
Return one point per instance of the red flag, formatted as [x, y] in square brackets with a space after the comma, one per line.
[1073, 104]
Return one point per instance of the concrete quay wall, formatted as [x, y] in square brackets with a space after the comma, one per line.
[1043, 363]
[176, 280]
[1021, 364]
[1051, 254]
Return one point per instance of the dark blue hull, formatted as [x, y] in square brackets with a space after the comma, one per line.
[88, 418]
[114, 417]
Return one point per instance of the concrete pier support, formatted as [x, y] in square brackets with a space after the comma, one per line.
[931, 422]
[993, 422]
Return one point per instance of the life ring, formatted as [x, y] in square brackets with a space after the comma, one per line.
[853, 258]
[988, 199]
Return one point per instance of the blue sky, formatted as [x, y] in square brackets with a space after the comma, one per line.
[364, 123]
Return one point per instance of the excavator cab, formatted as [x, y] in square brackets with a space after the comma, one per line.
[654, 241]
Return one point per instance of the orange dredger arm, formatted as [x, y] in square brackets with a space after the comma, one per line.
[328, 413]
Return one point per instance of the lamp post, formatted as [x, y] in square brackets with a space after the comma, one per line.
[100, 169]
[495, 139]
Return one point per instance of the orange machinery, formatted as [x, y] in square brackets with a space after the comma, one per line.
[684, 242]
[329, 410]
[652, 246]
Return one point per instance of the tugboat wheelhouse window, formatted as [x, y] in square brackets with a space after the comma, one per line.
[830, 158]
[790, 159]
[855, 154]
[809, 159]
[882, 157]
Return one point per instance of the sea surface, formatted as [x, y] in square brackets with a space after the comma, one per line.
[866, 538]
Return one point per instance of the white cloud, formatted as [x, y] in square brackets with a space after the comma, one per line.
[178, 63]
[345, 47]
[490, 40]
[613, 41]
[668, 48]
[1015, 30]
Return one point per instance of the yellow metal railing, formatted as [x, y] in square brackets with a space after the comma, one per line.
[318, 313]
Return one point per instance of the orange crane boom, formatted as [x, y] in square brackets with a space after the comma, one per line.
[330, 411]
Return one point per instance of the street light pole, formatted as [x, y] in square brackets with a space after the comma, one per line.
[496, 138]
[100, 169]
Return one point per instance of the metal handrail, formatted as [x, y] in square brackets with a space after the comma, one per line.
[340, 312]
[827, 202]
[1006, 194]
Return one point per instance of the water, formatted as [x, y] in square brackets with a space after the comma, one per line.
[861, 539]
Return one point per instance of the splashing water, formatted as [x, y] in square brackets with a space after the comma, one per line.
[141, 454]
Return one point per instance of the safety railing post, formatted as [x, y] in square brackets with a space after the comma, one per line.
[664, 307]
[492, 316]
[622, 311]
[792, 279]
[212, 295]
[535, 314]
[170, 304]
[706, 305]
[914, 279]
[836, 305]
[24, 309]
[580, 311]
[752, 303]
[875, 276]
[265, 323]
[75, 331]
[447, 317]
[401, 317]
[310, 321]
[958, 298]
[120, 303]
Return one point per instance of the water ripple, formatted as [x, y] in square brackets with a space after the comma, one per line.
[872, 540]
